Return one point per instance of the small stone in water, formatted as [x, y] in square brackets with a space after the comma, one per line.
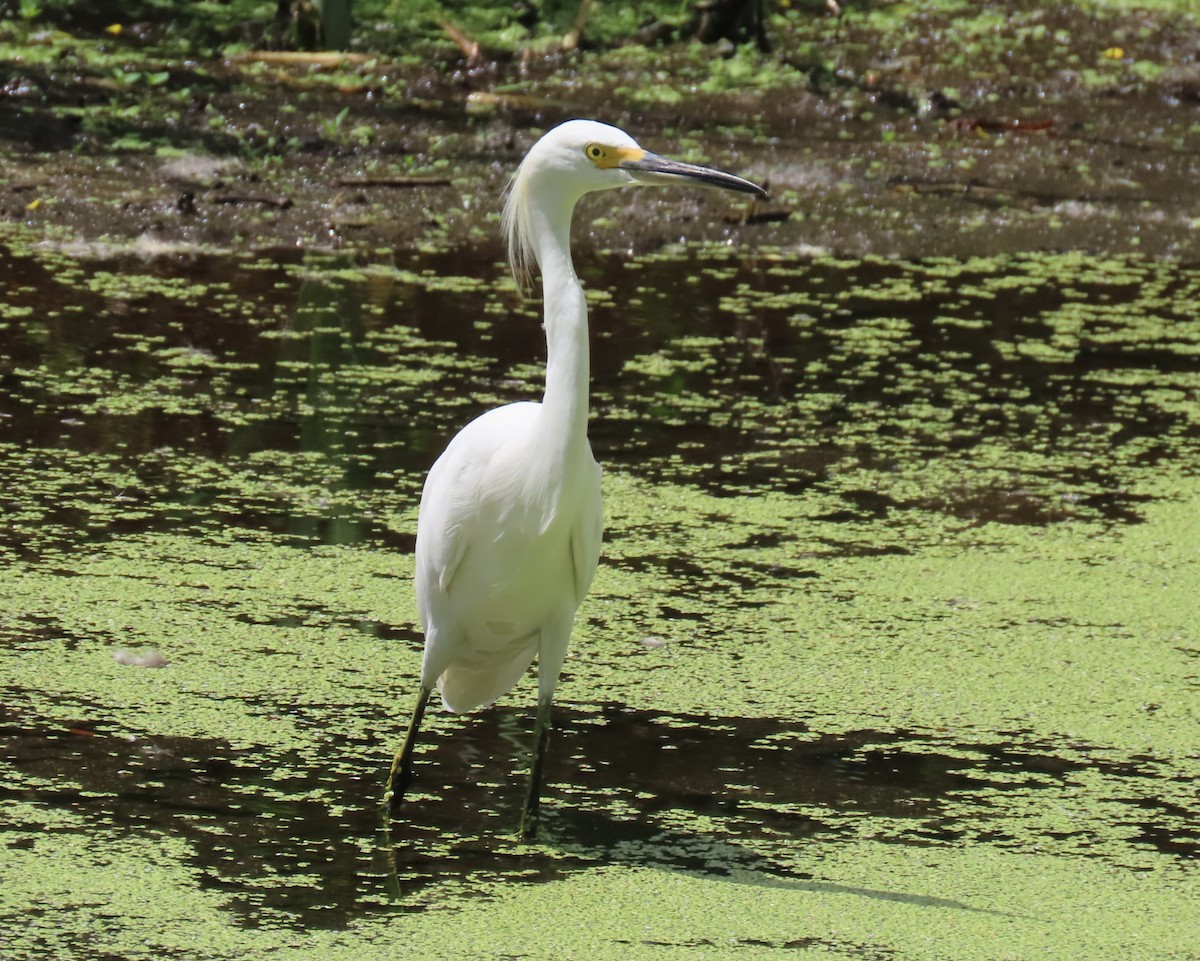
[146, 657]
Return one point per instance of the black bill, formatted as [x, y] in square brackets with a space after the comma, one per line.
[652, 169]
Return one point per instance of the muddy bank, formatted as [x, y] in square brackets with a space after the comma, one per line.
[887, 131]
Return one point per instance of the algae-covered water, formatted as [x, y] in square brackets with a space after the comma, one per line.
[892, 653]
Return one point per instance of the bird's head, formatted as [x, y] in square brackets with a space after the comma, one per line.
[581, 156]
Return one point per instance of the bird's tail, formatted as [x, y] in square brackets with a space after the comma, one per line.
[466, 685]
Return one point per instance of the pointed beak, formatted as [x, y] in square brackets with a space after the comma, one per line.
[651, 169]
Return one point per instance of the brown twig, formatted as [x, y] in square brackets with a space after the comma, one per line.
[317, 58]
[988, 125]
[279, 203]
[397, 181]
[757, 216]
[469, 47]
[571, 38]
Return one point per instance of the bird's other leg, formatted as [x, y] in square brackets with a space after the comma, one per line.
[529, 817]
[401, 772]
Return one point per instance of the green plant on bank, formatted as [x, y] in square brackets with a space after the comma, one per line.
[261, 147]
[332, 129]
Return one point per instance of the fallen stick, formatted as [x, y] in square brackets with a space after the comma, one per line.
[398, 181]
[313, 58]
[279, 203]
[570, 40]
[469, 47]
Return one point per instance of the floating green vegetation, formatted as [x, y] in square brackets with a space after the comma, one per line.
[894, 641]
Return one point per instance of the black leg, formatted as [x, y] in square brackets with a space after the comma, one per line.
[529, 818]
[401, 773]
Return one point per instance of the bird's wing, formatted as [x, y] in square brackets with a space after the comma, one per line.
[586, 535]
[441, 545]
[457, 485]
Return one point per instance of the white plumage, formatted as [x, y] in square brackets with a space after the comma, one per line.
[508, 535]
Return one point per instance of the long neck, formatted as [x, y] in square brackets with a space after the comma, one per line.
[565, 403]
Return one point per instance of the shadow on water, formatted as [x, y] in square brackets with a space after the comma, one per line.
[300, 839]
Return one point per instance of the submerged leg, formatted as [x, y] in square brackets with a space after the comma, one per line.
[401, 773]
[529, 817]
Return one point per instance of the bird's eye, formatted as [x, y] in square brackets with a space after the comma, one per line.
[595, 151]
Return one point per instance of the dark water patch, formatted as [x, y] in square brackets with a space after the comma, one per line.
[296, 838]
[893, 364]
[1167, 828]
[316, 615]
[240, 821]
[251, 389]
[28, 630]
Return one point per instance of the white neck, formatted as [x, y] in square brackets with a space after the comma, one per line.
[565, 402]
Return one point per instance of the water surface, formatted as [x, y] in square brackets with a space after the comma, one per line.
[895, 623]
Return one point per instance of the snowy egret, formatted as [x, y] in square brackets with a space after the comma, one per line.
[508, 535]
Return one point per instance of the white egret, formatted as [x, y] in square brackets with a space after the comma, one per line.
[508, 535]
